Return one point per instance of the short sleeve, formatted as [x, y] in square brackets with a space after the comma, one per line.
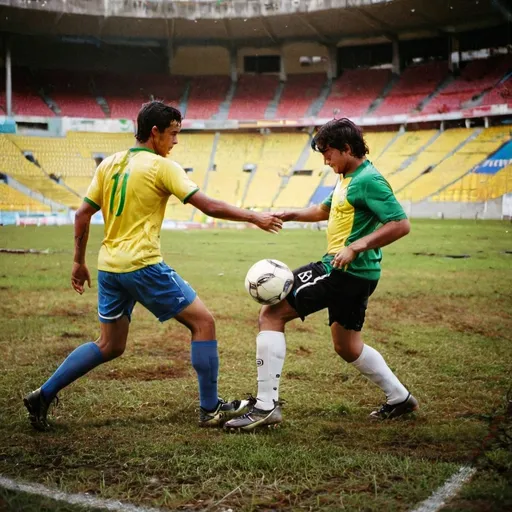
[95, 191]
[328, 201]
[381, 200]
[172, 178]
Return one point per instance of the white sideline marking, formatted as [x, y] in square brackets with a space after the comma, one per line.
[73, 499]
[447, 491]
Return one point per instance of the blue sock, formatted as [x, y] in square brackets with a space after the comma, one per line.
[205, 360]
[82, 360]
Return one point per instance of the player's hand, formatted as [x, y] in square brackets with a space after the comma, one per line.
[344, 257]
[79, 276]
[284, 216]
[268, 222]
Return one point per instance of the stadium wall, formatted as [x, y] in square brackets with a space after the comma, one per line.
[200, 60]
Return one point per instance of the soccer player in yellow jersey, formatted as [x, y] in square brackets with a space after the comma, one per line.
[132, 188]
[363, 216]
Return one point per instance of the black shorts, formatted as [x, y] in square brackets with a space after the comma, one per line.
[344, 295]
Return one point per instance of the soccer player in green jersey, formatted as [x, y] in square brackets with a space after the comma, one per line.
[363, 216]
[132, 188]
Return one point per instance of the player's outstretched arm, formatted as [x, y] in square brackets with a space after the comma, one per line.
[80, 273]
[221, 210]
[314, 213]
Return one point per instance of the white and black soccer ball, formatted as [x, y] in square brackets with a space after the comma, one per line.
[269, 281]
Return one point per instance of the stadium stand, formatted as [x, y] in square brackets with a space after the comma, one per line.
[298, 94]
[125, 93]
[354, 91]
[499, 95]
[14, 200]
[206, 93]
[71, 92]
[229, 181]
[415, 84]
[401, 149]
[279, 154]
[252, 96]
[480, 183]
[475, 78]
[428, 158]
[14, 164]
[26, 100]
[444, 176]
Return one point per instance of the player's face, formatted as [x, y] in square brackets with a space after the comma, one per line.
[164, 141]
[336, 159]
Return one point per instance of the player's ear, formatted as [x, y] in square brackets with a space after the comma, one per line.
[154, 131]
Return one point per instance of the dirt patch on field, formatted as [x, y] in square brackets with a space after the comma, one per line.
[303, 351]
[69, 312]
[146, 373]
[72, 335]
[457, 313]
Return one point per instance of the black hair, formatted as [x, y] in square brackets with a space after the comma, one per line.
[338, 134]
[155, 113]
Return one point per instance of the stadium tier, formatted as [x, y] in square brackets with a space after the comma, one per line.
[416, 83]
[445, 175]
[206, 93]
[71, 92]
[253, 95]
[400, 149]
[15, 165]
[14, 200]
[277, 159]
[298, 94]
[354, 91]
[276, 170]
[476, 77]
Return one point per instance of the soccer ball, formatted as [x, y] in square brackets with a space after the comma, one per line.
[269, 281]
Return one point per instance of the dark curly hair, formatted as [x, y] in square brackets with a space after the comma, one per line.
[338, 134]
[155, 113]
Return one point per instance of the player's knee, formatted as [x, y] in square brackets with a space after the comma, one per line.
[271, 319]
[110, 349]
[347, 352]
[204, 328]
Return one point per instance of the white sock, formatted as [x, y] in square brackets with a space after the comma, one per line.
[270, 353]
[372, 365]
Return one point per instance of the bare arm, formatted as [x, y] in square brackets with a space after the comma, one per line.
[314, 213]
[222, 210]
[385, 235]
[82, 221]
[80, 273]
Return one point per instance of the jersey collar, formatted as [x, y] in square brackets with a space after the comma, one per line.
[133, 150]
[358, 169]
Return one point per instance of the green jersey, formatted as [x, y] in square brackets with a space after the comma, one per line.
[360, 202]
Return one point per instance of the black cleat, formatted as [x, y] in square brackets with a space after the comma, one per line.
[38, 410]
[389, 412]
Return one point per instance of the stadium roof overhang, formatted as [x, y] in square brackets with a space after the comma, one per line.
[359, 21]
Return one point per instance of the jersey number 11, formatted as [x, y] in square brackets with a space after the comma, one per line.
[124, 180]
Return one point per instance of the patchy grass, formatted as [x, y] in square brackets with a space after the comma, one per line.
[128, 430]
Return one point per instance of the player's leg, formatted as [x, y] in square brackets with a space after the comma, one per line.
[114, 309]
[304, 298]
[204, 355]
[161, 290]
[346, 316]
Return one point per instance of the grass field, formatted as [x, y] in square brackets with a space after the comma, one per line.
[128, 430]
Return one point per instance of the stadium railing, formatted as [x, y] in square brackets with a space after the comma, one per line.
[186, 8]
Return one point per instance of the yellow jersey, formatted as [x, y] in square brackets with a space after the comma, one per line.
[132, 189]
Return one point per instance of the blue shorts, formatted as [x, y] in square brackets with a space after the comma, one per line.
[157, 287]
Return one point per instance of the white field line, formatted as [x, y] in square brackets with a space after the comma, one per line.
[451, 487]
[73, 499]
